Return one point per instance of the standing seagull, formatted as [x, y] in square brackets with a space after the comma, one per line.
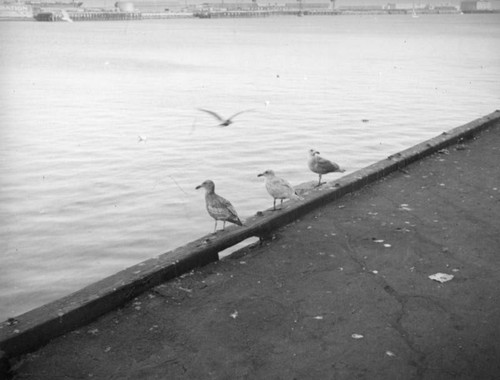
[219, 208]
[321, 165]
[223, 122]
[278, 188]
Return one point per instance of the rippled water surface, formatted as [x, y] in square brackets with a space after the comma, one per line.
[82, 196]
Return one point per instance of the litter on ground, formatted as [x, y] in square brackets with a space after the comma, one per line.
[441, 277]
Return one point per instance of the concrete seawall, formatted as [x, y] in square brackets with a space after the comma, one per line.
[34, 329]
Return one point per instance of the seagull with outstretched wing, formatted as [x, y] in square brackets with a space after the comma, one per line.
[223, 121]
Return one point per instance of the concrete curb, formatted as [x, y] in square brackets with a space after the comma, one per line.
[35, 328]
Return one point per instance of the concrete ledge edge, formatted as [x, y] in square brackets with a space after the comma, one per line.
[31, 330]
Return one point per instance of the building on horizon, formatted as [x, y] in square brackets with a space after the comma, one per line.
[475, 6]
[159, 5]
[407, 6]
[361, 8]
[242, 5]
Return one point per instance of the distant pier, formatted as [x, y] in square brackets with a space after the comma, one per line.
[88, 16]
[263, 13]
[100, 15]
[105, 16]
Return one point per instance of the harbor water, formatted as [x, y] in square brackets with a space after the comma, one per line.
[102, 143]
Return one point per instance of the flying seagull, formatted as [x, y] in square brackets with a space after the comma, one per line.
[278, 188]
[320, 165]
[222, 121]
[218, 208]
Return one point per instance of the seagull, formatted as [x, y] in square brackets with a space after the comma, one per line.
[278, 188]
[218, 208]
[321, 165]
[223, 122]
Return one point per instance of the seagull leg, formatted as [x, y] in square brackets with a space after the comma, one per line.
[281, 204]
[319, 181]
[223, 225]
[274, 204]
[215, 229]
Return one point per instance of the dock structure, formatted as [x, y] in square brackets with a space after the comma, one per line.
[335, 279]
[262, 13]
[165, 15]
[110, 16]
[420, 189]
[105, 16]
[52, 16]
[218, 13]
[231, 14]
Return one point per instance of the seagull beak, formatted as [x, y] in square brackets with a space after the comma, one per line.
[198, 187]
[260, 175]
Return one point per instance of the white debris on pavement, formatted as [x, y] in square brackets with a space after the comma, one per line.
[441, 277]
